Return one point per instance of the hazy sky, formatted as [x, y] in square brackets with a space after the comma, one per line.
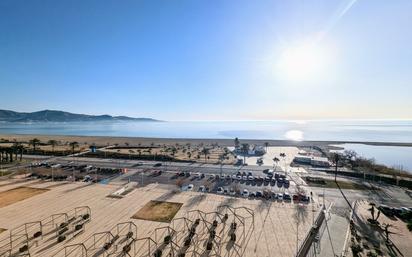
[208, 59]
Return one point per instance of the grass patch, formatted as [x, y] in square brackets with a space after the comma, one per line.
[158, 211]
[18, 194]
[327, 183]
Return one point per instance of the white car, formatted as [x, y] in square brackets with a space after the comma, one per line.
[251, 178]
[212, 176]
[198, 175]
[244, 178]
[220, 190]
[280, 197]
[202, 188]
[190, 187]
[239, 177]
[233, 176]
[245, 193]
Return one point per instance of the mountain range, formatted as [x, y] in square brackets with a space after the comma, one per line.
[61, 116]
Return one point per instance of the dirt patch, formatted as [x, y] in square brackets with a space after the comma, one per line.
[18, 194]
[2, 230]
[158, 211]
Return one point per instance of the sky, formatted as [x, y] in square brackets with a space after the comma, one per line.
[208, 59]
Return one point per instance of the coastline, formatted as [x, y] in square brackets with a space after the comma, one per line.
[105, 140]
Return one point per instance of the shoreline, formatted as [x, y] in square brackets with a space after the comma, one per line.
[121, 140]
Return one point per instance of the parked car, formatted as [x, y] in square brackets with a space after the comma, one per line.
[279, 197]
[251, 178]
[286, 197]
[225, 191]
[202, 188]
[190, 187]
[157, 164]
[259, 194]
[198, 175]
[244, 178]
[245, 193]
[239, 177]
[267, 179]
[276, 175]
[219, 190]
[234, 177]
[252, 194]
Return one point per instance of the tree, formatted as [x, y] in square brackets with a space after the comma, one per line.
[174, 151]
[245, 150]
[386, 228]
[335, 160]
[351, 157]
[53, 143]
[276, 161]
[74, 145]
[372, 210]
[283, 156]
[205, 151]
[237, 142]
[189, 155]
[34, 142]
[266, 146]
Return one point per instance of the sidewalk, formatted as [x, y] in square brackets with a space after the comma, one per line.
[338, 226]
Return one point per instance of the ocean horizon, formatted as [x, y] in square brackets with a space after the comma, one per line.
[389, 131]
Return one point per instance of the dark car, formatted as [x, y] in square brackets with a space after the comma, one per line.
[157, 164]
[276, 175]
[259, 194]
[286, 197]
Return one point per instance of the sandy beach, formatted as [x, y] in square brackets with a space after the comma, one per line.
[121, 141]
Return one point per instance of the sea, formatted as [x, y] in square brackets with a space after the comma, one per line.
[397, 131]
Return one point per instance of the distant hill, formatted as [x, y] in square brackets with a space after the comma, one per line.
[60, 116]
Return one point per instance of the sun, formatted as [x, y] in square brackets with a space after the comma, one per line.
[302, 63]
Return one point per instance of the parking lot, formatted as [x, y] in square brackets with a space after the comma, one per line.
[247, 184]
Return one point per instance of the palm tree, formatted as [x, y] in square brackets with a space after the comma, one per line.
[276, 160]
[53, 143]
[245, 150]
[237, 142]
[335, 160]
[73, 145]
[283, 156]
[34, 142]
[372, 210]
[205, 151]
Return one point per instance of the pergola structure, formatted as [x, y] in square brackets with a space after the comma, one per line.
[55, 229]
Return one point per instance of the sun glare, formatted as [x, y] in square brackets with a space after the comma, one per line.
[302, 63]
[294, 135]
